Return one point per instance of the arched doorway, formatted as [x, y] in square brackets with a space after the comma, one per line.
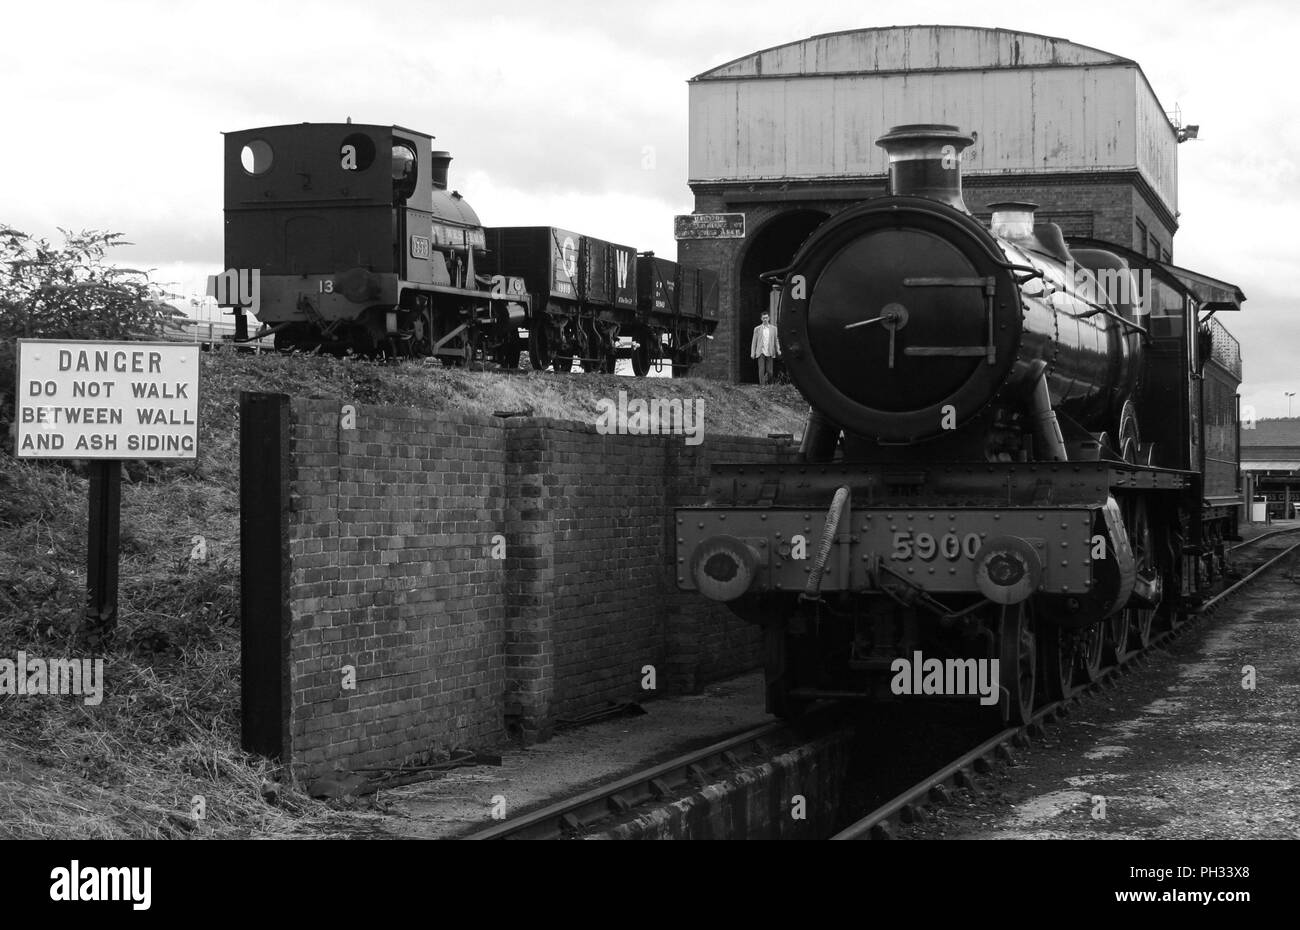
[770, 249]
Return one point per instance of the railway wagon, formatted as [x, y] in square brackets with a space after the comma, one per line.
[584, 289]
[345, 237]
[1020, 454]
[677, 312]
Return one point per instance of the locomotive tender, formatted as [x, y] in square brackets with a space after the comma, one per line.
[344, 237]
[1017, 450]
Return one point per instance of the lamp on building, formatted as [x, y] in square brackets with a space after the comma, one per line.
[1188, 132]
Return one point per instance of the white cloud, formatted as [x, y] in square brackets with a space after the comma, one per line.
[115, 112]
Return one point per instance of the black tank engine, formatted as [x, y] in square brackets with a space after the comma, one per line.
[345, 237]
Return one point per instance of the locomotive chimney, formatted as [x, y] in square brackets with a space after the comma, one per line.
[925, 161]
[440, 162]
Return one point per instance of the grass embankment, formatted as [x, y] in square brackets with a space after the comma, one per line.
[167, 729]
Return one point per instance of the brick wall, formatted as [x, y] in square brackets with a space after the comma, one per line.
[391, 534]
[391, 573]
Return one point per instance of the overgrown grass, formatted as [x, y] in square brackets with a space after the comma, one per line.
[167, 730]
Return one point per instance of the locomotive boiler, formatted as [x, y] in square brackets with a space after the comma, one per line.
[974, 484]
[982, 343]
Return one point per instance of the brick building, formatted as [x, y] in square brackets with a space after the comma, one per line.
[786, 136]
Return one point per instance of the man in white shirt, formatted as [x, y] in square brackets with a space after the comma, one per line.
[765, 348]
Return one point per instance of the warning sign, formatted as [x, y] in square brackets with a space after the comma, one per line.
[709, 226]
[107, 400]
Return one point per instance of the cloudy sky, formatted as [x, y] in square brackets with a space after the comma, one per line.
[114, 114]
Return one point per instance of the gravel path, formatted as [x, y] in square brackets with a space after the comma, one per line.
[1179, 750]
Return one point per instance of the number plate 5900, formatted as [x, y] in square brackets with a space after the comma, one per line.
[928, 547]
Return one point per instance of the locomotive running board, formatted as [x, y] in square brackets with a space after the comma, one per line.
[943, 483]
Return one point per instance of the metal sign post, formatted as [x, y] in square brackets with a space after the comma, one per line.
[103, 544]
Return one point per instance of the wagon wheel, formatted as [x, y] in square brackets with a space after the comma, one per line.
[539, 345]
[1017, 665]
[641, 352]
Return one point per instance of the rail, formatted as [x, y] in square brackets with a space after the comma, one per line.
[910, 806]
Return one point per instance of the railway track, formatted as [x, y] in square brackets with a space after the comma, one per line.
[586, 812]
[910, 805]
[692, 770]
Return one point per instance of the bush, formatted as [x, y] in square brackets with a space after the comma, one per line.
[70, 293]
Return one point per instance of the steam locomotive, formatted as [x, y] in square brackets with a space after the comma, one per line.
[345, 237]
[1018, 452]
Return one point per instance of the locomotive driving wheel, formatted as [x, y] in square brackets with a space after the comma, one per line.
[1091, 649]
[1141, 620]
[1117, 631]
[1069, 658]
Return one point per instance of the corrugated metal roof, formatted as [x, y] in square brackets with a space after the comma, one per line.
[813, 109]
[1046, 120]
[911, 48]
[1281, 433]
